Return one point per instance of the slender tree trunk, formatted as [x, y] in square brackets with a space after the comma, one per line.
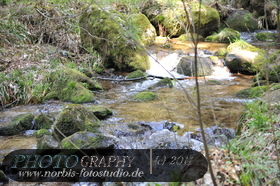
[278, 22]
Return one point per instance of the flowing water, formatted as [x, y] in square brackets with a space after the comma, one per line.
[219, 105]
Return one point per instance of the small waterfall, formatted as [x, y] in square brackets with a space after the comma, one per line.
[163, 61]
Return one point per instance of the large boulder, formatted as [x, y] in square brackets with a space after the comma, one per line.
[168, 17]
[110, 34]
[244, 58]
[74, 118]
[186, 66]
[18, 125]
[227, 35]
[71, 85]
[88, 140]
[242, 20]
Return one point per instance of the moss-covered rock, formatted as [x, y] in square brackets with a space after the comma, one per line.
[147, 32]
[226, 35]
[253, 92]
[136, 74]
[221, 52]
[101, 112]
[18, 125]
[186, 66]
[188, 37]
[270, 70]
[74, 118]
[145, 96]
[87, 140]
[47, 142]
[40, 133]
[102, 34]
[165, 82]
[242, 20]
[265, 36]
[41, 121]
[168, 17]
[71, 85]
[244, 58]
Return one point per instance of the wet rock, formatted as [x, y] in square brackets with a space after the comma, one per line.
[116, 47]
[165, 82]
[18, 125]
[74, 118]
[265, 36]
[88, 140]
[71, 85]
[144, 96]
[47, 142]
[227, 35]
[186, 66]
[40, 133]
[162, 17]
[215, 135]
[101, 112]
[41, 121]
[242, 20]
[158, 126]
[136, 74]
[244, 58]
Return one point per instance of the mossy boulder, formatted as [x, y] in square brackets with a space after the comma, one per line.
[108, 37]
[101, 112]
[146, 31]
[40, 133]
[253, 92]
[136, 74]
[165, 82]
[145, 96]
[242, 20]
[88, 140]
[188, 37]
[226, 35]
[41, 121]
[74, 118]
[273, 97]
[47, 142]
[187, 64]
[265, 36]
[168, 17]
[71, 85]
[244, 58]
[270, 70]
[18, 125]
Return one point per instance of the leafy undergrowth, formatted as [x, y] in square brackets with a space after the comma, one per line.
[251, 158]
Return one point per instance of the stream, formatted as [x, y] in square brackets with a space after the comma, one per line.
[220, 107]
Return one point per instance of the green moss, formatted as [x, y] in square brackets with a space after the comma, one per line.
[265, 36]
[74, 118]
[146, 31]
[188, 37]
[227, 35]
[19, 124]
[101, 112]
[251, 92]
[40, 133]
[214, 82]
[145, 96]
[115, 46]
[42, 122]
[71, 85]
[136, 74]
[221, 52]
[165, 82]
